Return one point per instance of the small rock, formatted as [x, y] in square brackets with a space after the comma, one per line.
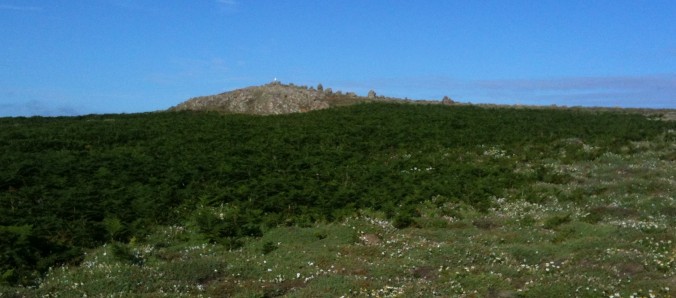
[370, 239]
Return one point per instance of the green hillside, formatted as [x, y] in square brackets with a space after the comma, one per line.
[215, 204]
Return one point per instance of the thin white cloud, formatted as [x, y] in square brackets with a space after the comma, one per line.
[619, 83]
[655, 91]
[666, 81]
[19, 7]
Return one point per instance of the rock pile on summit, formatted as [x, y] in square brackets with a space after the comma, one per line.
[269, 99]
[277, 98]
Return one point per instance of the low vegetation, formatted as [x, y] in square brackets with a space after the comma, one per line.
[373, 199]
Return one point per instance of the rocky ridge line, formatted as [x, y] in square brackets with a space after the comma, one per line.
[277, 98]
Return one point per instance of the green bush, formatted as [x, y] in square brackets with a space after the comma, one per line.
[227, 224]
[268, 247]
[123, 253]
[18, 254]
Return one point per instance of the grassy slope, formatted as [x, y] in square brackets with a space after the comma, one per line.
[591, 218]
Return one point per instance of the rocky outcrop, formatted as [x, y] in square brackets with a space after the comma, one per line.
[277, 98]
[447, 101]
[270, 99]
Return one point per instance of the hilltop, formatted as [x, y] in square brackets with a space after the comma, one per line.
[276, 98]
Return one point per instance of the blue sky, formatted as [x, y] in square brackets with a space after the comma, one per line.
[72, 57]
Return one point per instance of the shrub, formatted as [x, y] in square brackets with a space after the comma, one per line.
[268, 247]
[123, 253]
[18, 254]
[405, 218]
[114, 227]
[227, 224]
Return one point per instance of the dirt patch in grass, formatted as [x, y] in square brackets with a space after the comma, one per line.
[359, 272]
[630, 269]
[370, 239]
[425, 272]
